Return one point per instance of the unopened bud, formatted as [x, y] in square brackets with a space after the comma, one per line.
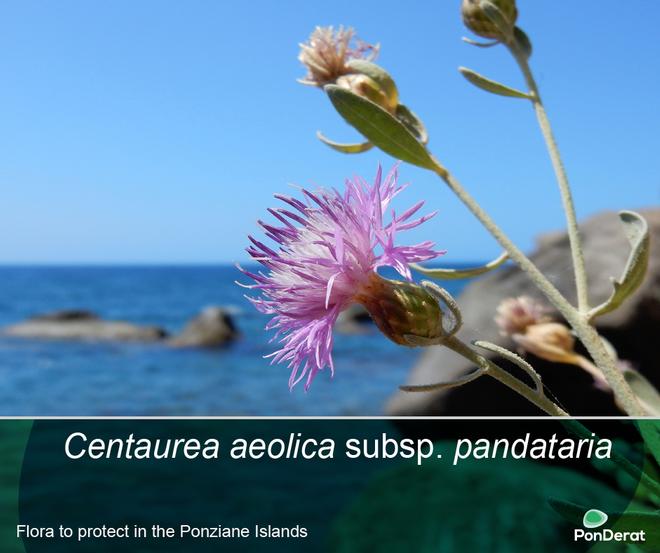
[475, 18]
[400, 309]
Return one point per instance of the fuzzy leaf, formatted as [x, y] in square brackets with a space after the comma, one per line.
[523, 42]
[379, 127]
[380, 76]
[646, 394]
[357, 148]
[412, 123]
[443, 297]
[479, 44]
[455, 274]
[637, 232]
[492, 86]
[650, 431]
[515, 359]
[461, 381]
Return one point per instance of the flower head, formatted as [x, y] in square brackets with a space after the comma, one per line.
[514, 315]
[327, 51]
[330, 247]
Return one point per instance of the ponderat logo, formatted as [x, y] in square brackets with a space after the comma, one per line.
[595, 518]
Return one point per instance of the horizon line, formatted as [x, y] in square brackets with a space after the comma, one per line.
[164, 263]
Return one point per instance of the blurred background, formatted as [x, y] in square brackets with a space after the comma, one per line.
[139, 144]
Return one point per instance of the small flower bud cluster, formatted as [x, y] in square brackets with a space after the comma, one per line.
[527, 322]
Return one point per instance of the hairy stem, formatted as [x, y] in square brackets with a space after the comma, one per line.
[545, 404]
[587, 334]
[542, 402]
[493, 370]
[562, 180]
[514, 253]
[579, 321]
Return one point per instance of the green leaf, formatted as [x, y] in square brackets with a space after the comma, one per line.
[380, 76]
[650, 431]
[492, 86]
[628, 521]
[357, 148]
[522, 42]
[379, 127]
[646, 394]
[637, 232]
[412, 123]
[455, 274]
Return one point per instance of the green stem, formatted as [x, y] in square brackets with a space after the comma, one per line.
[562, 180]
[587, 334]
[493, 370]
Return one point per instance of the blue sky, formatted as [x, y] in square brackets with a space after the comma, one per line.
[157, 131]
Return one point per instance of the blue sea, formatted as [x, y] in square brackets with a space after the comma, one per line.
[52, 378]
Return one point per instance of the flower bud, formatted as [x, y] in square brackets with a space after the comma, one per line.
[549, 341]
[475, 18]
[401, 308]
[365, 86]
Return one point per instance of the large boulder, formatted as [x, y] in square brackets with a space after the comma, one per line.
[633, 328]
[214, 326]
[82, 325]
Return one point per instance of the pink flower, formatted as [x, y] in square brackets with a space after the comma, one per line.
[330, 247]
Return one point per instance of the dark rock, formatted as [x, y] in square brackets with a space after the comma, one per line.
[633, 328]
[67, 315]
[212, 327]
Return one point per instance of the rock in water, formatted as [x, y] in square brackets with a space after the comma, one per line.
[67, 315]
[82, 325]
[212, 327]
[632, 328]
